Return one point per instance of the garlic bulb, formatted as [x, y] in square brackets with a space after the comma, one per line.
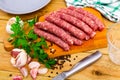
[19, 57]
[10, 22]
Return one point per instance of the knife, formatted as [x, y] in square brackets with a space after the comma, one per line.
[79, 66]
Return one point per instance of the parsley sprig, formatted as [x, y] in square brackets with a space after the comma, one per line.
[27, 41]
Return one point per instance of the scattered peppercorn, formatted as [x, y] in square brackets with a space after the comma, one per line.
[51, 44]
[56, 72]
[70, 64]
[52, 50]
[76, 56]
[61, 60]
[51, 72]
[49, 76]
[10, 75]
[74, 59]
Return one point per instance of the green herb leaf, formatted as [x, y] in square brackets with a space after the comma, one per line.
[43, 42]
[40, 59]
[51, 61]
[32, 35]
[35, 55]
[41, 52]
[31, 22]
[48, 65]
[18, 19]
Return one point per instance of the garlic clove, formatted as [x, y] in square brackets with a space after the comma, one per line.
[24, 71]
[12, 60]
[33, 73]
[34, 64]
[28, 59]
[17, 78]
[42, 70]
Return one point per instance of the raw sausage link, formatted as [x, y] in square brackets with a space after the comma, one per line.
[47, 26]
[65, 25]
[85, 19]
[90, 15]
[52, 38]
[76, 41]
[80, 24]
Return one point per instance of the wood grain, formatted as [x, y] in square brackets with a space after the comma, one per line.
[103, 69]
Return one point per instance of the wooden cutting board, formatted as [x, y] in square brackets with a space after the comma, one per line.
[99, 41]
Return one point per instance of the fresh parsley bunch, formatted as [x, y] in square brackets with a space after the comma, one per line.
[27, 41]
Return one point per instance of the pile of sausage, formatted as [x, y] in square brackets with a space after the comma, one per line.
[69, 26]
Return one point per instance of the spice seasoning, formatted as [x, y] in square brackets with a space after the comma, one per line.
[61, 60]
[74, 59]
[56, 72]
[51, 72]
[52, 50]
[49, 76]
[70, 64]
[76, 56]
[51, 44]
[10, 75]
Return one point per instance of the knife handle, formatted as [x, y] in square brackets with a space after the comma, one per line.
[83, 63]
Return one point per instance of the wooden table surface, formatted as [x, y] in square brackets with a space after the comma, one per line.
[103, 69]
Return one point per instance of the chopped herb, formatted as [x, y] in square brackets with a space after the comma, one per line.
[27, 41]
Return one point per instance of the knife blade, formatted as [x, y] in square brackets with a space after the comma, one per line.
[79, 66]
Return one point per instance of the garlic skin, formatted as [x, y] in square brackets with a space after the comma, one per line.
[10, 22]
[15, 52]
